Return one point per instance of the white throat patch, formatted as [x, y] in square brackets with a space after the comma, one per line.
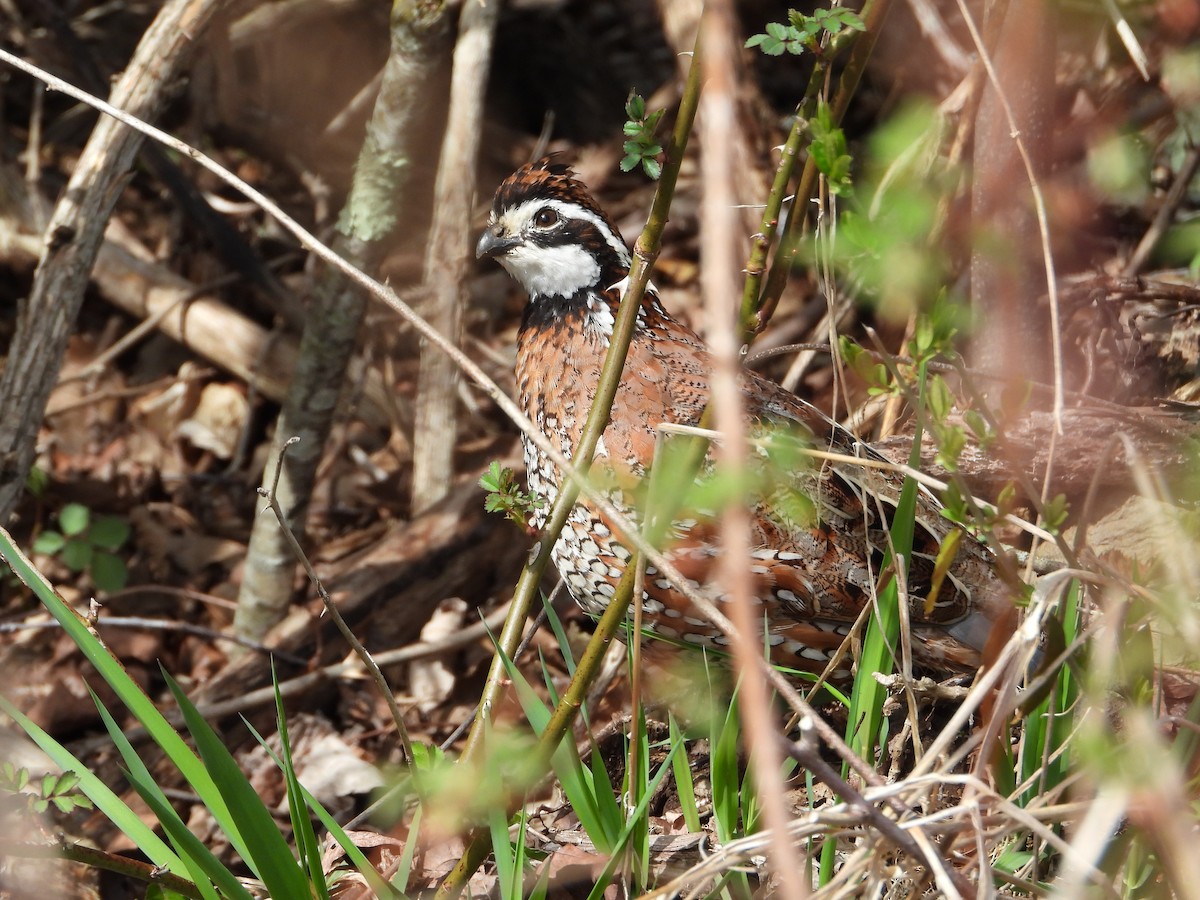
[551, 271]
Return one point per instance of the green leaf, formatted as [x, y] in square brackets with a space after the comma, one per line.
[635, 107]
[77, 555]
[978, 425]
[941, 399]
[851, 19]
[1006, 499]
[684, 785]
[109, 532]
[74, 519]
[49, 542]
[1056, 513]
[36, 481]
[951, 439]
[630, 161]
[652, 167]
[108, 572]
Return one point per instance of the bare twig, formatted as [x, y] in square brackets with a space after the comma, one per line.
[135, 869]
[804, 751]
[334, 614]
[144, 624]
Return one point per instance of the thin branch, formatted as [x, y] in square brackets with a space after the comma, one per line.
[804, 751]
[331, 607]
[171, 625]
[109, 862]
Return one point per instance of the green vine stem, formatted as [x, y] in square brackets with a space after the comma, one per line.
[789, 245]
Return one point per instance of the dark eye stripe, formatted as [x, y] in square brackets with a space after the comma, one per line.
[582, 233]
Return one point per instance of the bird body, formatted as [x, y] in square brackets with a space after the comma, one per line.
[819, 531]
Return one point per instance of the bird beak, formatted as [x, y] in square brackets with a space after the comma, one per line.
[493, 242]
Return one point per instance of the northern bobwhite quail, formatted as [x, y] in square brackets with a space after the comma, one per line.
[814, 572]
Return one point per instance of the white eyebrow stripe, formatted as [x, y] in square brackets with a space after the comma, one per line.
[519, 217]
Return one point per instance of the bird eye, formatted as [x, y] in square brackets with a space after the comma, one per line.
[545, 218]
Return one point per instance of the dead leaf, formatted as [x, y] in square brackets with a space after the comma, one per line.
[431, 680]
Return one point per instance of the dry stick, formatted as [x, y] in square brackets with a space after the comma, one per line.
[448, 253]
[578, 480]
[804, 751]
[719, 287]
[303, 684]
[331, 607]
[75, 233]
[842, 817]
[210, 329]
[1162, 219]
[108, 862]
[144, 624]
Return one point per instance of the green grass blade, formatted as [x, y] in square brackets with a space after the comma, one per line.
[723, 764]
[560, 635]
[404, 869]
[502, 850]
[639, 812]
[307, 846]
[883, 628]
[353, 852]
[588, 798]
[602, 797]
[637, 786]
[225, 880]
[129, 692]
[685, 787]
[267, 852]
[133, 763]
[112, 806]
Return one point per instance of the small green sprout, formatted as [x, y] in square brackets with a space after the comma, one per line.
[641, 145]
[58, 790]
[805, 32]
[88, 544]
[505, 496]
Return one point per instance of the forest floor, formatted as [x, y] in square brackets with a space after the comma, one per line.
[159, 426]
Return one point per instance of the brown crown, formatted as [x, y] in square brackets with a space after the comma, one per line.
[545, 179]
